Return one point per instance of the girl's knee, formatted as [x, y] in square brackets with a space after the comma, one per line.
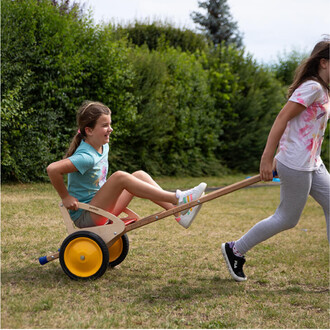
[291, 225]
[119, 175]
[287, 221]
[290, 222]
[140, 174]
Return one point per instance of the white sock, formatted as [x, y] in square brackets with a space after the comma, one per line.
[236, 252]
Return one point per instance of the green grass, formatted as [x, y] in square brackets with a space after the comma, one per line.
[172, 277]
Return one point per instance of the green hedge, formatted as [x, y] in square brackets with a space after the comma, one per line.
[179, 106]
[50, 63]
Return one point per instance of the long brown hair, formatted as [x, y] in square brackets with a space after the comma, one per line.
[87, 116]
[309, 68]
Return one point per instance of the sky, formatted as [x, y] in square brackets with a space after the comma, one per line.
[270, 28]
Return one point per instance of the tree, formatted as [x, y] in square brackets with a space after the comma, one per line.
[218, 23]
[286, 66]
[152, 34]
[66, 7]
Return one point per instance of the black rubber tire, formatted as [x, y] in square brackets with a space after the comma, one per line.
[103, 251]
[124, 248]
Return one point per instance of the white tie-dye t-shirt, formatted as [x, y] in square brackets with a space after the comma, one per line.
[300, 145]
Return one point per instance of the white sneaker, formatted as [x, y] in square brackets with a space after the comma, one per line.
[186, 217]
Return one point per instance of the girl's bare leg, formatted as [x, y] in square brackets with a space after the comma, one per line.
[107, 197]
[126, 197]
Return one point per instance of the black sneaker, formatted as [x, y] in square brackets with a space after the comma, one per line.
[234, 263]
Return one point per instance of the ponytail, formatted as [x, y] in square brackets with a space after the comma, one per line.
[74, 145]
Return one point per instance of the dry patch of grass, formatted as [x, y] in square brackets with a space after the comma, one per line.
[172, 277]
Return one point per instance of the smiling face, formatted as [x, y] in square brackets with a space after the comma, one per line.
[100, 134]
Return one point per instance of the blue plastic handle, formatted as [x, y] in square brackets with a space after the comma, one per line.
[43, 260]
[274, 177]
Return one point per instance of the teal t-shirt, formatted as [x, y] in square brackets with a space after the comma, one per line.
[92, 174]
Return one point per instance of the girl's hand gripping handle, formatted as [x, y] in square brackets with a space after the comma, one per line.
[70, 202]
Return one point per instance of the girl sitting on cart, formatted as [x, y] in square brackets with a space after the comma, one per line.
[86, 163]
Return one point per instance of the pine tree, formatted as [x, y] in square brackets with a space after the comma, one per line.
[69, 7]
[218, 23]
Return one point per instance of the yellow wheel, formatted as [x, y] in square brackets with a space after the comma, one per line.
[84, 255]
[118, 251]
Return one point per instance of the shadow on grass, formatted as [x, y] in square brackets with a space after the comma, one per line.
[149, 287]
[217, 288]
[36, 274]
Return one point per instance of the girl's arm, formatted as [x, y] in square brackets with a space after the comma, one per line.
[55, 172]
[289, 111]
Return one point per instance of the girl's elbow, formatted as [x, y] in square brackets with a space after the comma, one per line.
[50, 169]
[60, 168]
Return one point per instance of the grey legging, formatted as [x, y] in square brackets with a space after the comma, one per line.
[295, 188]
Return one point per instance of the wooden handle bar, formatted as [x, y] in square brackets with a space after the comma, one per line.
[215, 194]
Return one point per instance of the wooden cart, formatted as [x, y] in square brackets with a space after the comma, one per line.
[87, 253]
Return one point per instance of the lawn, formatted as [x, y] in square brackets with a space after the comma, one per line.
[172, 277]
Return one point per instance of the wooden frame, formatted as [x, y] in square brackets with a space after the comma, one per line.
[111, 232]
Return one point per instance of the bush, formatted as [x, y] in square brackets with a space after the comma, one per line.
[179, 106]
[51, 63]
[248, 100]
[286, 66]
[145, 33]
[176, 131]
